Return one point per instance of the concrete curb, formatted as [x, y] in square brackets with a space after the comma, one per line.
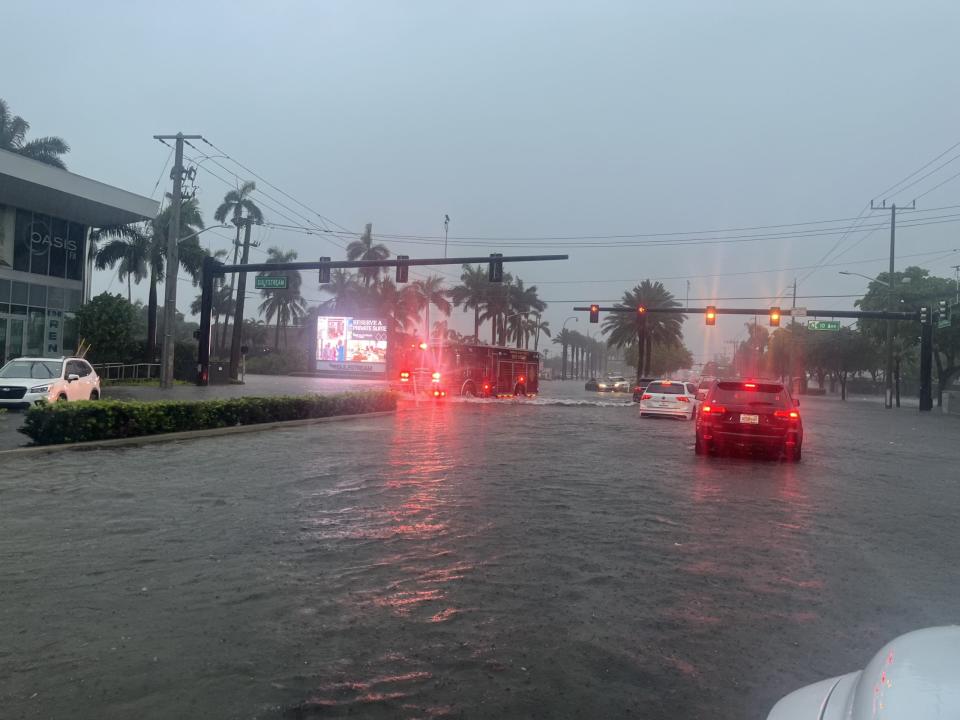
[187, 435]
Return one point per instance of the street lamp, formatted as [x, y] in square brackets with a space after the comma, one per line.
[888, 375]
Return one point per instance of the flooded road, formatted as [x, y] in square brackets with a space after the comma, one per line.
[549, 559]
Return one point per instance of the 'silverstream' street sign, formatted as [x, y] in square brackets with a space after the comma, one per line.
[270, 283]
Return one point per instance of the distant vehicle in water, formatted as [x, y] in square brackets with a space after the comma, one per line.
[472, 370]
[613, 383]
[640, 386]
[913, 676]
[750, 415]
[592, 384]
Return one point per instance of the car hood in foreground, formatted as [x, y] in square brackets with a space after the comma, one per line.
[914, 676]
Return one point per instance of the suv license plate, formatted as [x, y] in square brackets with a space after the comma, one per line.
[750, 419]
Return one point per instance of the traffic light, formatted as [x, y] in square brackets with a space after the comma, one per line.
[774, 317]
[324, 271]
[711, 315]
[924, 315]
[403, 270]
[594, 313]
[944, 312]
[495, 271]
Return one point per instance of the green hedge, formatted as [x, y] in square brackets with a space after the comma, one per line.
[107, 420]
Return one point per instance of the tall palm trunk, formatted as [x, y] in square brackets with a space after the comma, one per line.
[649, 364]
[641, 353]
[152, 318]
[476, 322]
[563, 363]
[493, 330]
[276, 337]
[129, 289]
[426, 319]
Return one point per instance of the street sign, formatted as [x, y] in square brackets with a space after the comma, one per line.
[833, 325]
[943, 322]
[799, 312]
[265, 282]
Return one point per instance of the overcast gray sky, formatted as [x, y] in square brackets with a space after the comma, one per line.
[527, 119]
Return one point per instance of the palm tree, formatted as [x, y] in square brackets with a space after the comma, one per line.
[398, 309]
[286, 305]
[346, 292]
[564, 338]
[189, 252]
[130, 251]
[426, 293]
[496, 307]
[642, 328]
[235, 202]
[537, 326]
[523, 301]
[13, 134]
[153, 236]
[471, 293]
[363, 248]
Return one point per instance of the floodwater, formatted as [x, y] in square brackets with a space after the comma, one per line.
[553, 558]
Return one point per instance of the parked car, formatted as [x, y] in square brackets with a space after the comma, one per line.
[913, 676]
[31, 381]
[640, 387]
[591, 385]
[613, 383]
[668, 398]
[750, 415]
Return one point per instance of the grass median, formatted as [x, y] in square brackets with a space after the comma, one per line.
[87, 421]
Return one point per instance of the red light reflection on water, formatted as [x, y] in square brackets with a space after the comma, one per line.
[743, 548]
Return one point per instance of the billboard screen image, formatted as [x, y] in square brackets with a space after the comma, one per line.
[353, 345]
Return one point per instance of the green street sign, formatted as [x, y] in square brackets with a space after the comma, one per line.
[270, 283]
[833, 325]
[943, 322]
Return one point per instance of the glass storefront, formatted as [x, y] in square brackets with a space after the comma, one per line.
[36, 309]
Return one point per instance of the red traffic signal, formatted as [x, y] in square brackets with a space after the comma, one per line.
[641, 310]
[594, 313]
[774, 317]
[711, 315]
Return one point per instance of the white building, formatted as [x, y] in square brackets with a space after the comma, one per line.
[46, 215]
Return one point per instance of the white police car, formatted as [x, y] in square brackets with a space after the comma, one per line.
[30, 381]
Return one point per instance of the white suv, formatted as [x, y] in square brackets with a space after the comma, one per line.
[30, 381]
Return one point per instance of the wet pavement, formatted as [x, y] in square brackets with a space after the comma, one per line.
[554, 558]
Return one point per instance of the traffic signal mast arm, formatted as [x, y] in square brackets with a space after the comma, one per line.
[854, 314]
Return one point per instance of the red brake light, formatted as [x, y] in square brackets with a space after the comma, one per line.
[646, 396]
[423, 346]
[667, 382]
[520, 379]
[436, 376]
[486, 387]
[683, 398]
[788, 414]
[714, 409]
[404, 376]
[436, 393]
[750, 386]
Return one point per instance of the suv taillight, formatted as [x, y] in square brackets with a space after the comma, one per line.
[713, 410]
[787, 414]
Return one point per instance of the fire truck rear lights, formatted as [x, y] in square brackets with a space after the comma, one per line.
[423, 346]
[520, 379]
[436, 377]
[404, 376]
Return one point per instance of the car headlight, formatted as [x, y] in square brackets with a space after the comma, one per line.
[40, 389]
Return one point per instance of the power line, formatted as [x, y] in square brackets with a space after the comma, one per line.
[939, 184]
[915, 172]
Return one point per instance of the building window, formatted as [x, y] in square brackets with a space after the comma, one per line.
[48, 246]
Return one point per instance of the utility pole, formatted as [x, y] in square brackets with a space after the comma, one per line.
[888, 393]
[793, 338]
[956, 279]
[446, 230]
[237, 337]
[172, 261]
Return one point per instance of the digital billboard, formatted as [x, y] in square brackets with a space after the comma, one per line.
[351, 345]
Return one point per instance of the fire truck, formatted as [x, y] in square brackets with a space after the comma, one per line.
[471, 370]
